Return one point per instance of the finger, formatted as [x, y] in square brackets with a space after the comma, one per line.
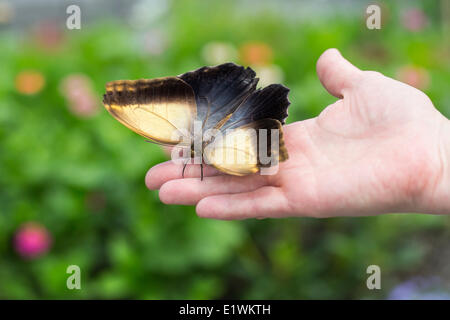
[169, 170]
[265, 202]
[336, 73]
[191, 191]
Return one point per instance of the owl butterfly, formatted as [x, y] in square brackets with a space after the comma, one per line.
[215, 112]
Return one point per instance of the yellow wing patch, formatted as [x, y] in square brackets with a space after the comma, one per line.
[243, 151]
[234, 153]
[161, 110]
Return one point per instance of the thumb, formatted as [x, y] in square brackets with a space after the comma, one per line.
[335, 73]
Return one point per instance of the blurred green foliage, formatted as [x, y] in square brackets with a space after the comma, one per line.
[83, 178]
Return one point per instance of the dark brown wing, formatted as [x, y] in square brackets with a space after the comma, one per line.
[269, 103]
[219, 91]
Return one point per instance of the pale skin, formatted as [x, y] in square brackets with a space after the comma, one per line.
[382, 147]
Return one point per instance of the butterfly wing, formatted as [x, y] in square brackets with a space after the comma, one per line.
[222, 97]
[162, 110]
[270, 102]
[263, 109]
[238, 151]
[219, 91]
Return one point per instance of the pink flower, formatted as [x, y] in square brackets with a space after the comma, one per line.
[77, 88]
[32, 240]
[414, 19]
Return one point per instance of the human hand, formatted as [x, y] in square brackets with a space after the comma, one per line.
[382, 147]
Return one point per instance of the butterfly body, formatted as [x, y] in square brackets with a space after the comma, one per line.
[213, 112]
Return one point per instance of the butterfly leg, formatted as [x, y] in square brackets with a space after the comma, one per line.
[184, 168]
[201, 172]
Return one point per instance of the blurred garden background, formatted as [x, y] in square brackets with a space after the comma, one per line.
[72, 186]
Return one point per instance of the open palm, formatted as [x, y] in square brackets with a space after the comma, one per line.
[377, 149]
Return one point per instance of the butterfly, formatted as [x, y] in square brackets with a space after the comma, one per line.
[184, 110]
